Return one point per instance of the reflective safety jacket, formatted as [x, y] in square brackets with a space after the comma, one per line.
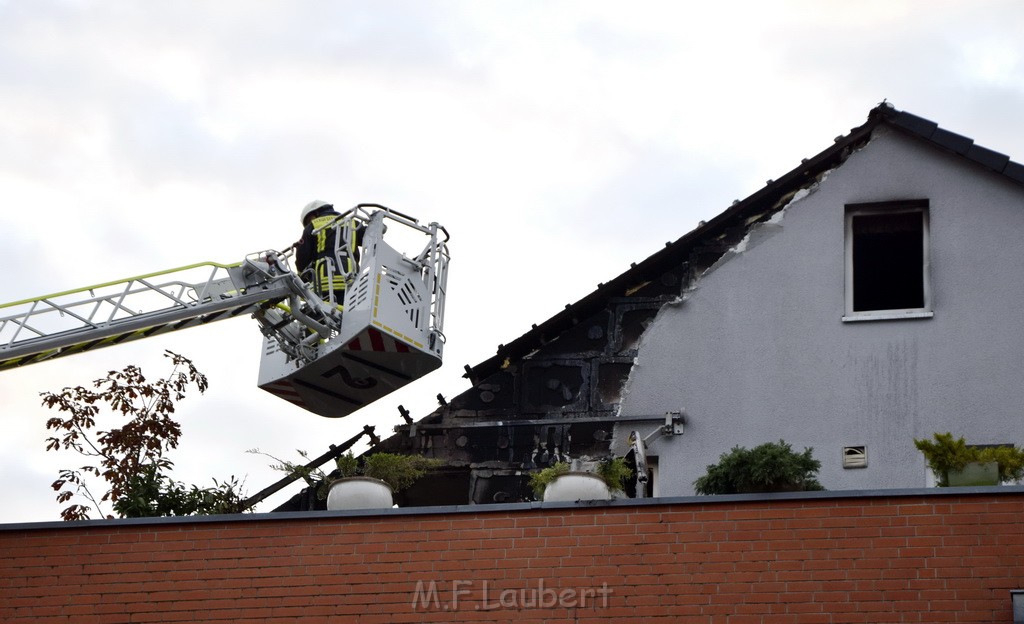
[331, 258]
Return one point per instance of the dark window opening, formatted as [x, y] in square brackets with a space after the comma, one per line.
[611, 378]
[632, 325]
[888, 260]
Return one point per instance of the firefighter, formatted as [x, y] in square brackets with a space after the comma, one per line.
[323, 259]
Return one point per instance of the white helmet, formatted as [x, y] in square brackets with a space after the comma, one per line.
[312, 207]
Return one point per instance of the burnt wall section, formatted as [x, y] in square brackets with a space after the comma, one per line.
[557, 404]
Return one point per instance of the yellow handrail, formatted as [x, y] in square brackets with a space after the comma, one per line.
[197, 265]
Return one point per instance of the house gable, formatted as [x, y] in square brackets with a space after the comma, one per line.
[760, 349]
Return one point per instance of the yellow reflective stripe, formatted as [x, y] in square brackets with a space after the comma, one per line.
[326, 280]
[397, 334]
[336, 284]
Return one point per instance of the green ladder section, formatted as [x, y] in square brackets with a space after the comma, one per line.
[85, 319]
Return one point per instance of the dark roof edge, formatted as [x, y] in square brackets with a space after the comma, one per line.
[764, 199]
[1007, 490]
[952, 142]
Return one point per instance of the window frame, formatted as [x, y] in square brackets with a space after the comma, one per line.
[917, 206]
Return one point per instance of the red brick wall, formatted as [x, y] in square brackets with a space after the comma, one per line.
[894, 558]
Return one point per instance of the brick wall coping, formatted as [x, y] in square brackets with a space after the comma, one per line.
[1008, 490]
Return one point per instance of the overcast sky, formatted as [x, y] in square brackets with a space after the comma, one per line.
[557, 141]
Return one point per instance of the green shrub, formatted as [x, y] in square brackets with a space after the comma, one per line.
[770, 467]
[540, 480]
[398, 471]
[347, 464]
[945, 453]
[615, 473]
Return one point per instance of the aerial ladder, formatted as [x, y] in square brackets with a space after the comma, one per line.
[329, 357]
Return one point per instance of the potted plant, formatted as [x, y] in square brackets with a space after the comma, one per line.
[372, 484]
[355, 484]
[955, 463]
[770, 467]
[559, 483]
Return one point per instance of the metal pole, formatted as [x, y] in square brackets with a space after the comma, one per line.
[333, 453]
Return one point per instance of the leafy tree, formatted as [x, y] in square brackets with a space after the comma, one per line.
[130, 460]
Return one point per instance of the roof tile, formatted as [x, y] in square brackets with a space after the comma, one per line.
[953, 141]
[1014, 171]
[988, 158]
[918, 125]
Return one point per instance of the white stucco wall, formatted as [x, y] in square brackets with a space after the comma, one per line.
[758, 350]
